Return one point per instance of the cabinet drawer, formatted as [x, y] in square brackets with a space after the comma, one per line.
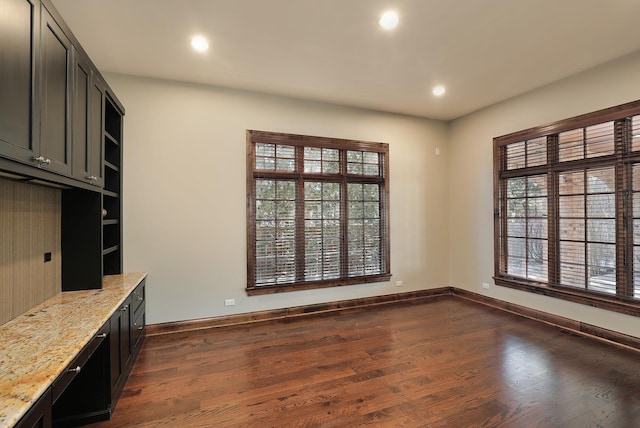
[137, 298]
[98, 338]
[72, 370]
[138, 327]
[78, 363]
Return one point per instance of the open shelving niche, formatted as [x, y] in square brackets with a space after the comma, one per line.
[112, 193]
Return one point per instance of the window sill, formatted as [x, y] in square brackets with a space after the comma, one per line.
[609, 303]
[283, 288]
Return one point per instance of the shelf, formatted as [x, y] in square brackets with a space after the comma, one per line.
[111, 138]
[110, 250]
[111, 197]
[111, 166]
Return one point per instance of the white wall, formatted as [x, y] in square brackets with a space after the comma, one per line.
[185, 193]
[470, 175]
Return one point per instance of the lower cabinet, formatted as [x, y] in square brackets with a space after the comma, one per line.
[81, 394]
[120, 348]
[89, 388]
[40, 414]
[127, 335]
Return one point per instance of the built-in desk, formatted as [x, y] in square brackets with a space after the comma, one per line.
[38, 347]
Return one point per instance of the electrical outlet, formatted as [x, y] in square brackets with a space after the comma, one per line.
[399, 283]
[486, 286]
[229, 302]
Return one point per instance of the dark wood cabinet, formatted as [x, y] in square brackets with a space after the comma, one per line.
[55, 90]
[120, 347]
[81, 240]
[88, 112]
[88, 389]
[52, 108]
[19, 33]
[39, 416]
[60, 123]
[127, 336]
[82, 393]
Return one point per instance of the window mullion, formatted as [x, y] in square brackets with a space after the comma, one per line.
[344, 216]
[624, 209]
[299, 215]
[585, 238]
[501, 248]
[553, 211]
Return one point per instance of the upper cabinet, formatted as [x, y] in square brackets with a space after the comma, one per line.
[88, 118]
[61, 124]
[19, 36]
[55, 106]
[52, 98]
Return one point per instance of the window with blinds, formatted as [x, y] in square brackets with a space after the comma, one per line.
[567, 208]
[317, 212]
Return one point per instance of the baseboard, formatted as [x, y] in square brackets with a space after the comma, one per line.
[293, 312]
[563, 323]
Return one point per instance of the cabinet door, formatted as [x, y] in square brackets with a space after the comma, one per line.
[120, 338]
[81, 118]
[88, 108]
[19, 33]
[96, 140]
[55, 123]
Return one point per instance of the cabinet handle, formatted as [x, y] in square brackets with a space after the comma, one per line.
[101, 335]
[92, 178]
[140, 328]
[42, 160]
[124, 308]
[140, 299]
[75, 370]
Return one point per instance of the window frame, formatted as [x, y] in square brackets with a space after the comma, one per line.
[623, 159]
[302, 141]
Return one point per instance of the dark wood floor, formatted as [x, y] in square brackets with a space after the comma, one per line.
[448, 362]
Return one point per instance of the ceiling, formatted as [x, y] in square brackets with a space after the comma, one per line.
[484, 51]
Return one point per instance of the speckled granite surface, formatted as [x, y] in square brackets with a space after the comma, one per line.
[39, 344]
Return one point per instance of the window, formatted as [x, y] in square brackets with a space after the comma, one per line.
[317, 212]
[567, 209]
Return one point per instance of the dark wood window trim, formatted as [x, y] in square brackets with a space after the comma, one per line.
[288, 177]
[623, 158]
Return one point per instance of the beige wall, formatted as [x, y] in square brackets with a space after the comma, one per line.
[184, 190]
[185, 196]
[470, 175]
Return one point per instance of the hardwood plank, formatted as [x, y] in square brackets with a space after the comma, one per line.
[446, 362]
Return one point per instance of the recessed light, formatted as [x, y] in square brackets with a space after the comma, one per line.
[439, 90]
[389, 20]
[199, 43]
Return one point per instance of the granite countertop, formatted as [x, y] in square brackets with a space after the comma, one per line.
[38, 345]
